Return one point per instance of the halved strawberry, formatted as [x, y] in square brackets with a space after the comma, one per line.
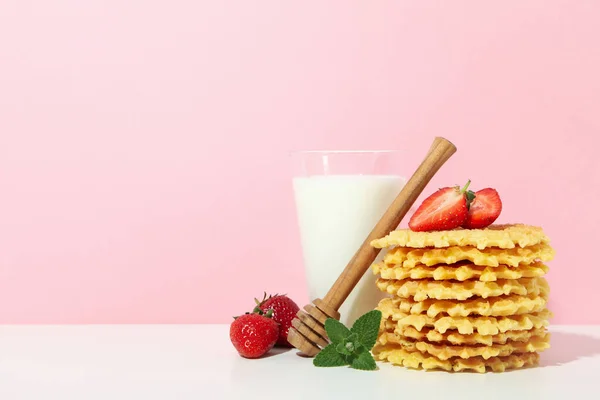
[484, 210]
[444, 210]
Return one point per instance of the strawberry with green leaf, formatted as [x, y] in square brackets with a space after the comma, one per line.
[284, 311]
[351, 347]
[445, 209]
[254, 334]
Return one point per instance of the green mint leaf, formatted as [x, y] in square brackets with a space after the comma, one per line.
[336, 331]
[353, 338]
[342, 349]
[329, 357]
[364, 361]
[367, 328]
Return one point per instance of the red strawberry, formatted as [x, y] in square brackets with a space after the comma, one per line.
[284, 311]
[444, 210]
[484, 210]
[253, 334]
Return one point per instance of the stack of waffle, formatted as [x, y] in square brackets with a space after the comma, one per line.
[464, 300]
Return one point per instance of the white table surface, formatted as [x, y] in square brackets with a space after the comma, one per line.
[199, 362]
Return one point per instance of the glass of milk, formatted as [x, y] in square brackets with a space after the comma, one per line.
[340, 196]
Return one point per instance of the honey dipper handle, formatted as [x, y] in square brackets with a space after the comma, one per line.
[440, 151]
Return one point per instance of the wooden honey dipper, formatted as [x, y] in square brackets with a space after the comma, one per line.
[307, 333]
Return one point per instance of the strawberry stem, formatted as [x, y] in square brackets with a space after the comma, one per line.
[464, 189]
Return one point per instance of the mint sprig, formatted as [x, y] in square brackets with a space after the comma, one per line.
[350, 347]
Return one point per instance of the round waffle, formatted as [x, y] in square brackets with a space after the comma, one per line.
[494, 306]
[506, 236]
[417, 360]
[445, 352]
[460, 272]
[410, 258]
[448, 290]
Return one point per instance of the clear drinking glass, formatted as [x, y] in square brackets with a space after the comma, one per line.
[340, 196]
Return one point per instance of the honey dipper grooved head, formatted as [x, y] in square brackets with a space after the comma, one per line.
[308, 332]
[306, 347]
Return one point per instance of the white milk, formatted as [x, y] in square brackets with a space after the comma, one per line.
[335, 215]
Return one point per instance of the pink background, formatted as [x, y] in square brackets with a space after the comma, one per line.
[143, 144]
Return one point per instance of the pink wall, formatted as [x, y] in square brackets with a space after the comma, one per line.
[143, 167]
